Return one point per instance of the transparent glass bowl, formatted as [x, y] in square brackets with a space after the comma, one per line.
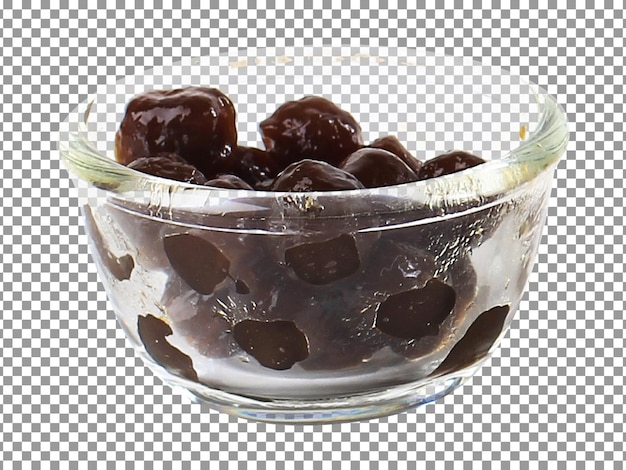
[325, 306]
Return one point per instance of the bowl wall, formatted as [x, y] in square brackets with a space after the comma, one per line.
[351, 304]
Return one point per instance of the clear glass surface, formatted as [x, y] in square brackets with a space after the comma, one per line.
[470, 236]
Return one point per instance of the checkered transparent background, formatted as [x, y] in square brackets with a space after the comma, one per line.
[74, 392]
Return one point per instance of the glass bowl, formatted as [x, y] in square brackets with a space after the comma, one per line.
[325, 306]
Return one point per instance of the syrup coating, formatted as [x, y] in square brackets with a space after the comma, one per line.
[312, 127]
[196, 123]
[314, 175]
[377, 167]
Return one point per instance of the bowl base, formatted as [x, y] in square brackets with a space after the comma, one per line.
[359, 407]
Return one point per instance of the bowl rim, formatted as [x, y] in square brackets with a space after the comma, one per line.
[491, 180]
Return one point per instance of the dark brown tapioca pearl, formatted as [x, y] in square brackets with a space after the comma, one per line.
[457, 278]
[228, 182]
[313, 175]
[311, 126]
[377, 167]
[416, 313]
[477, 341]
[120, 267]
[236, 263]
[254, 166]
[275, 344]
[169, 166]
[430, 334]
[337, 336]
[324, 262]
[455, 284]
[448, 163]
[152, 332]
[196, 123]
[393, 145]
[391, 268]
[197, 261]
[330, 244]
